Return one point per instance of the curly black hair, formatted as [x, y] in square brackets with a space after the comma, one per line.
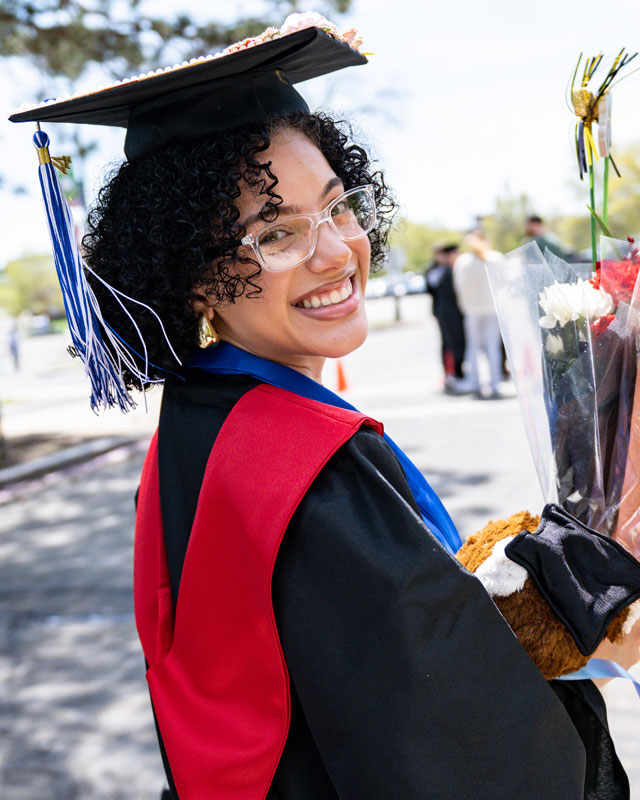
[166, 224]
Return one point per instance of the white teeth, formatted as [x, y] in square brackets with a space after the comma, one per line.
[332, 298]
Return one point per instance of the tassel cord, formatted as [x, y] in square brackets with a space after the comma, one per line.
[115, 291]
[87, 328]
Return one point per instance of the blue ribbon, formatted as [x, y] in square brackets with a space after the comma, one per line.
[228, 359]
[601, 668]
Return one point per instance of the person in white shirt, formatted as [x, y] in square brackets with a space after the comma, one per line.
[482, 332]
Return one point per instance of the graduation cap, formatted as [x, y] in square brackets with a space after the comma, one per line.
[249, 82]
[586, 577]
[445, 247]
[212, 93]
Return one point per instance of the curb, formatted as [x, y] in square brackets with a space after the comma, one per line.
[64, 458]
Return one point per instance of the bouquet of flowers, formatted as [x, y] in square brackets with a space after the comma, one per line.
[572, 335]
[573, 341]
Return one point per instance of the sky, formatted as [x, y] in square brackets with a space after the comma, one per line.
[460, 102]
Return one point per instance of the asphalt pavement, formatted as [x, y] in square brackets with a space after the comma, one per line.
[75, 719]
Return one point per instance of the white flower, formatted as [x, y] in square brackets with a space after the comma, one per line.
[564, 302]
[349, 35]
[355, 41]
[307, 19]
[554, 345]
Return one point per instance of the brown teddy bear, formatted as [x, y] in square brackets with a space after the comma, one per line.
[547, 640]
[563, 588]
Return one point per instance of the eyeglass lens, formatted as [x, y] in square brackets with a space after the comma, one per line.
[290, 242]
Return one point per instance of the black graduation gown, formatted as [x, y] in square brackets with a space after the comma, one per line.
[405, 680]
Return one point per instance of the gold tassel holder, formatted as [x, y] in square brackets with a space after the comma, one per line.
[207, 335]
[61, 163]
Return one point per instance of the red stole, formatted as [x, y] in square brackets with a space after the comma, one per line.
[218, 678]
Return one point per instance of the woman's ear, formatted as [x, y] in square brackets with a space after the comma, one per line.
[203, 303]
[203, 307]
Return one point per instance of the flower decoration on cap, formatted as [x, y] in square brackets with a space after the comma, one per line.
[292, 24]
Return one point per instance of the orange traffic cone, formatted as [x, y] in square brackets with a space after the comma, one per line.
[342, 384]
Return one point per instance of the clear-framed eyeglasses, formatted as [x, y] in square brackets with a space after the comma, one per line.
[289, 241]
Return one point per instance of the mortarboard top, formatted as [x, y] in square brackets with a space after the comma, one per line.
[585, 576]
[213, 93]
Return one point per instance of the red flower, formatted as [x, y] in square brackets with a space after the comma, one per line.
[618, 278]
[601, 324]
[595, 281]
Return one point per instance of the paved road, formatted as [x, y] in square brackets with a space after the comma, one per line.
[75, 718]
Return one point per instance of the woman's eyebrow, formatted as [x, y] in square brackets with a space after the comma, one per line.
[284, 209]
[253, 218]
[336, 181]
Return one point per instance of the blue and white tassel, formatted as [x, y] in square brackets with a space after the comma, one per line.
[103, 365]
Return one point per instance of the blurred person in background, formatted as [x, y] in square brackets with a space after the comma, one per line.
[482, 332]
[439, 283]
[14, 346]
[535, 231]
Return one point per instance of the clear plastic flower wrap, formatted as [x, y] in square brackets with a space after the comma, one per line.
[573, 340]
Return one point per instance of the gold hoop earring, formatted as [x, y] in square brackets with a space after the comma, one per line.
[207, 335]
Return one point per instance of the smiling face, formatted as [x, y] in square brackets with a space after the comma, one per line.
[315, 310]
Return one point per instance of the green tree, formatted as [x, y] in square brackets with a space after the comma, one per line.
[573, 231]
[417, 241]
[624, 194]
[30, 284]
[624, 203]
[505, 225]
[64, 37]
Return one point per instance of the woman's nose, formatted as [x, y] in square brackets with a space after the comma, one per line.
[330, 252]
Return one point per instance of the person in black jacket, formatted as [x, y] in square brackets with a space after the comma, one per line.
[439, 282]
